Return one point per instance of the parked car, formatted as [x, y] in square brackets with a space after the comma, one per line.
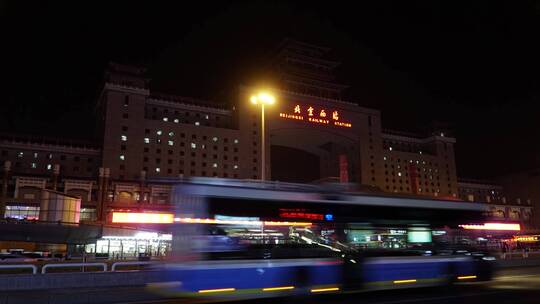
[15, 258]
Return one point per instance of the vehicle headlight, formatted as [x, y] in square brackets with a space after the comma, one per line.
[488, 258]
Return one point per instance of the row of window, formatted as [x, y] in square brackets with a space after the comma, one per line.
[32, 213]
[420, 190]
[48, 166]
[181, 172]
[36, 155]
[183, 153]
[148, 140]
[407, 147]
[181, 163]
[418, 162]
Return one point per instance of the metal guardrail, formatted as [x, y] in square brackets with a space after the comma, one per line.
[47, 266]
[523, 254]
[20, 266]
[114, 265]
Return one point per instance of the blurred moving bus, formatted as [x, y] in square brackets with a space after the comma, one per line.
[244, 239]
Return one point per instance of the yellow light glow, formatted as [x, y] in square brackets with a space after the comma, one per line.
[264, 98]
[278, 288]
[526, 238]
[142, 218]
[325, 289]
[467, 277]
[493, 226]
[216, 290]
[404, 281]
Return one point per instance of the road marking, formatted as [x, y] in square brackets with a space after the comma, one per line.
[325, 289]
[278, 288]
[516, 276]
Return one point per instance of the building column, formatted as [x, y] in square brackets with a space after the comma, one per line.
[142, 186]
[56, 173]
[99, 197]
[5, 181]
[105, 191]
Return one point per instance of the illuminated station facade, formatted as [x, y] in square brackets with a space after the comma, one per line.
[311, 135]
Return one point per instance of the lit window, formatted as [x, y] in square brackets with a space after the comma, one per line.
[122, 157]
[390, 148]
[236, 141]
[159, 132]
[170, 142]
[21, 154]
[384, 158]
[193, 145]
[49, 156]
[123, 137]
[49, 166]
[33, 165]
[206, 116]
[171, 133]
[399, 174]
[146, 140]
[214, 165]
[420, 152]
[176, 120]
[214, 139]
[165, 119]
[158, 170]
[203, 146]
[442, 134]
[197, 123]
[35, 155]
[235, 166]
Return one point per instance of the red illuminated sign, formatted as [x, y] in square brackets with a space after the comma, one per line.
[300, 213]
[316, 115]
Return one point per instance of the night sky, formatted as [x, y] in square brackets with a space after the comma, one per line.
[473, 66]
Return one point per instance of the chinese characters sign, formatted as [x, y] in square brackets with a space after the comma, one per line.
[300, 213]
[316, 115]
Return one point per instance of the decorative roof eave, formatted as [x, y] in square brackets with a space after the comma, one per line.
[418, 140]
[126, 89]
[315, 83]
[190, 106]
[50, 148]
[312, 60]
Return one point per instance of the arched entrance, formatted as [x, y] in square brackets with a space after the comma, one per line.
[294, 165]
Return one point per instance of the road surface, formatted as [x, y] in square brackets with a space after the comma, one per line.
[515, 285]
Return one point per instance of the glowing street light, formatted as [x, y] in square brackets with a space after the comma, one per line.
[263, 99]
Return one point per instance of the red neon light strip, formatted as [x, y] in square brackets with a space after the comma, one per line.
[493, 226]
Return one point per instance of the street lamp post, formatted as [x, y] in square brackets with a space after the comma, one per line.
[263, 99]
